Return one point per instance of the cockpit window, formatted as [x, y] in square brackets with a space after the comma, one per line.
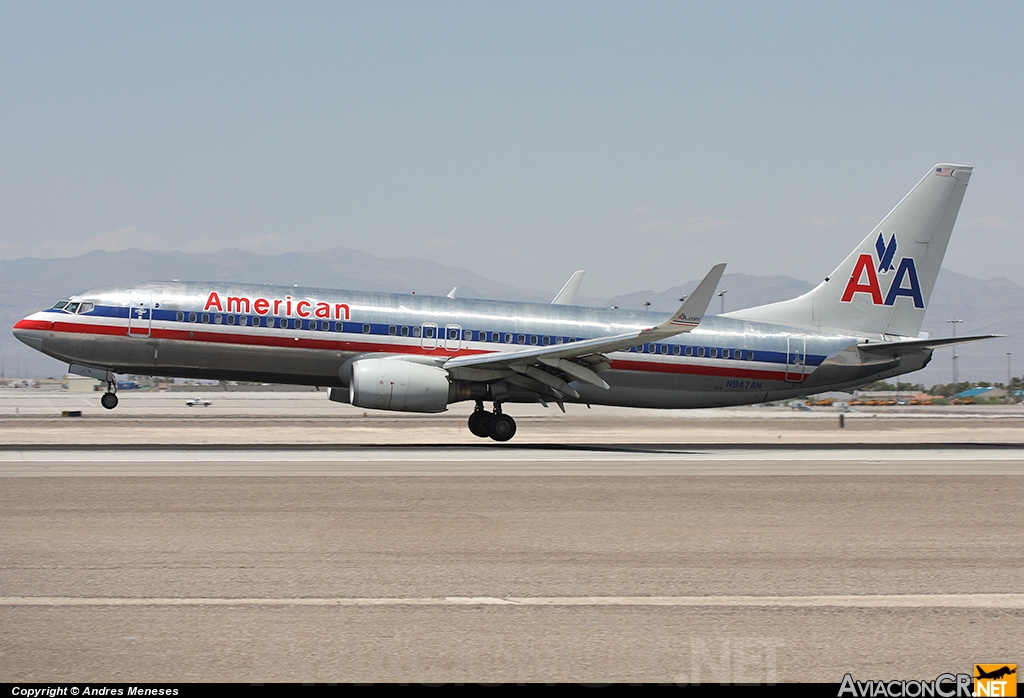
[60, 305]
[72, 307]
[86, 308]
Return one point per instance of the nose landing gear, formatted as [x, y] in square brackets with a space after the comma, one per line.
[496, 425]
[109, 399]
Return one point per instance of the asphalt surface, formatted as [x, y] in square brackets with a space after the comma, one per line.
[279, 537]
[622, 560]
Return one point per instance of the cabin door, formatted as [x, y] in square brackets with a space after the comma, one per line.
[140, 313]
[796, 358]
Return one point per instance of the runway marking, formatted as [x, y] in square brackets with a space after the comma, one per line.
[842, 601]
[458, 455]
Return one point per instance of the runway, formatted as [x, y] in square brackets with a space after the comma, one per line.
[510, 461]
[483, 578]
[602, 556]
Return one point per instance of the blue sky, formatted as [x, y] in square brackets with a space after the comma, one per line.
[521, 140]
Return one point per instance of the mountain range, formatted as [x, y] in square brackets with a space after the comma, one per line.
[28, 284]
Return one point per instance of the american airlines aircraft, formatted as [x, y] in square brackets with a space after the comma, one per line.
[420, 354]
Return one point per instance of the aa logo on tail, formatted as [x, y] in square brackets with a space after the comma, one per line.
[864, 278]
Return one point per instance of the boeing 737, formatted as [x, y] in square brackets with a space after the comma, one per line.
[415, 353]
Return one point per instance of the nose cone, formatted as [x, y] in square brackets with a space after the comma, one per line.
[30, 332]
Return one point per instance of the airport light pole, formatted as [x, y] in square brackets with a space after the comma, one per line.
[1009, 376]
[721, 294]
[954, 323]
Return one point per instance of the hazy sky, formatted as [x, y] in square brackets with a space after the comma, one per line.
[521, 140]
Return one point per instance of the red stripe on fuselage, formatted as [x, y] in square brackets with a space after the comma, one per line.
[27, 324]
[701, 370]
[289, 340]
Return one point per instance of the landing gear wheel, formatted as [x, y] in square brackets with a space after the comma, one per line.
[109, 400]
[480, 423]
[503, 427]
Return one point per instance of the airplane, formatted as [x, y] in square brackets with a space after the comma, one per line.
[417, 353]
[995, 674]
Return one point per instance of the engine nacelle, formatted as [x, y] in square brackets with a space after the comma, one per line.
[396, 384]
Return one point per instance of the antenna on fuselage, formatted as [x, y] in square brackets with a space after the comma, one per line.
[451, 294]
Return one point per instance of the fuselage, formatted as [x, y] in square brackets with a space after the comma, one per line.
[310, 336]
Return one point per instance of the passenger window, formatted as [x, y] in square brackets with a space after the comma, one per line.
[508, 338]
[243, 320]
[713, 353]
[366, 329]
[545, 340]
[405, 330]
[533, 339]
[392, 330]
[664, 348]
[206, 317]
[179, 316]
[417, 331]
[676, 350]
[521, 339]
[428, 332]
[750, 356]
[192, 317]
[453, 333]
[689, 351]
[725, 353]
[231, 319]
[218, 319]
[700, 351]
[558, 340]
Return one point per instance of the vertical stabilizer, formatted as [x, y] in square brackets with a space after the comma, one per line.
[885, 284]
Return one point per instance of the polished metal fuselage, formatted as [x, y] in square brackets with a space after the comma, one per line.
[309, 336]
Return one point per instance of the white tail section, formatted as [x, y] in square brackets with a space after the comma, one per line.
[885, 284]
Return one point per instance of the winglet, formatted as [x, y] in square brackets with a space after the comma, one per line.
[692, 311]
[567, 296]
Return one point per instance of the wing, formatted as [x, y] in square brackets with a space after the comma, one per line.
[551, 365]
[567, 296]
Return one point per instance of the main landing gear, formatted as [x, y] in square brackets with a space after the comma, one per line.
[109, 399]
[496, 425]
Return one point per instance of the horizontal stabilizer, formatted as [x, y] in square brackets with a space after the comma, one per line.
[924, 343]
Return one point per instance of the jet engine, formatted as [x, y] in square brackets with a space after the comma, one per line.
[396, 384]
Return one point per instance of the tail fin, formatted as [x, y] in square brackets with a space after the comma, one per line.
[885, 284]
